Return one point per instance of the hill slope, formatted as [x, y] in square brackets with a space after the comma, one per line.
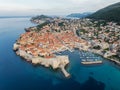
[80, 15]
[110, 13]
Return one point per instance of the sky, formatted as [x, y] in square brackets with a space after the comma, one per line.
[50, 7]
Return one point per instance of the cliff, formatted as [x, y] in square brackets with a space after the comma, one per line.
[55, 62]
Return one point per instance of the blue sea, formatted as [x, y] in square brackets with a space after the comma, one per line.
[17, 74]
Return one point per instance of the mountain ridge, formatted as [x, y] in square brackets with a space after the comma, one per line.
[79, 15]
[109, 13]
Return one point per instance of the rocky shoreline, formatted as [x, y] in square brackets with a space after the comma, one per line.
[40, 43]
[56, 62]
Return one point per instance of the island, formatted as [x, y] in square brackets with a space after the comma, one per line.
[39, 44]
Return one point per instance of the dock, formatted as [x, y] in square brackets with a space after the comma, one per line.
[92, 62]
[64, 71]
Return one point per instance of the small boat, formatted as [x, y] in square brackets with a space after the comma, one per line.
[83, 60]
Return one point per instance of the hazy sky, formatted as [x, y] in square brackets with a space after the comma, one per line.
[51, 7]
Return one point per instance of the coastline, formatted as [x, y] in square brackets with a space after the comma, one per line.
[40, 43]
[65, 61]
[55, 62]
[109, 59]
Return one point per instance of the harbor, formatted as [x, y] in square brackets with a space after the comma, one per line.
[89, 58]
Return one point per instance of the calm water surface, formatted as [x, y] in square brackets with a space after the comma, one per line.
[17, 74]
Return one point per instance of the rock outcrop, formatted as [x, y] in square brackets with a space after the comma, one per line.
[55, 62]
[15, 46]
